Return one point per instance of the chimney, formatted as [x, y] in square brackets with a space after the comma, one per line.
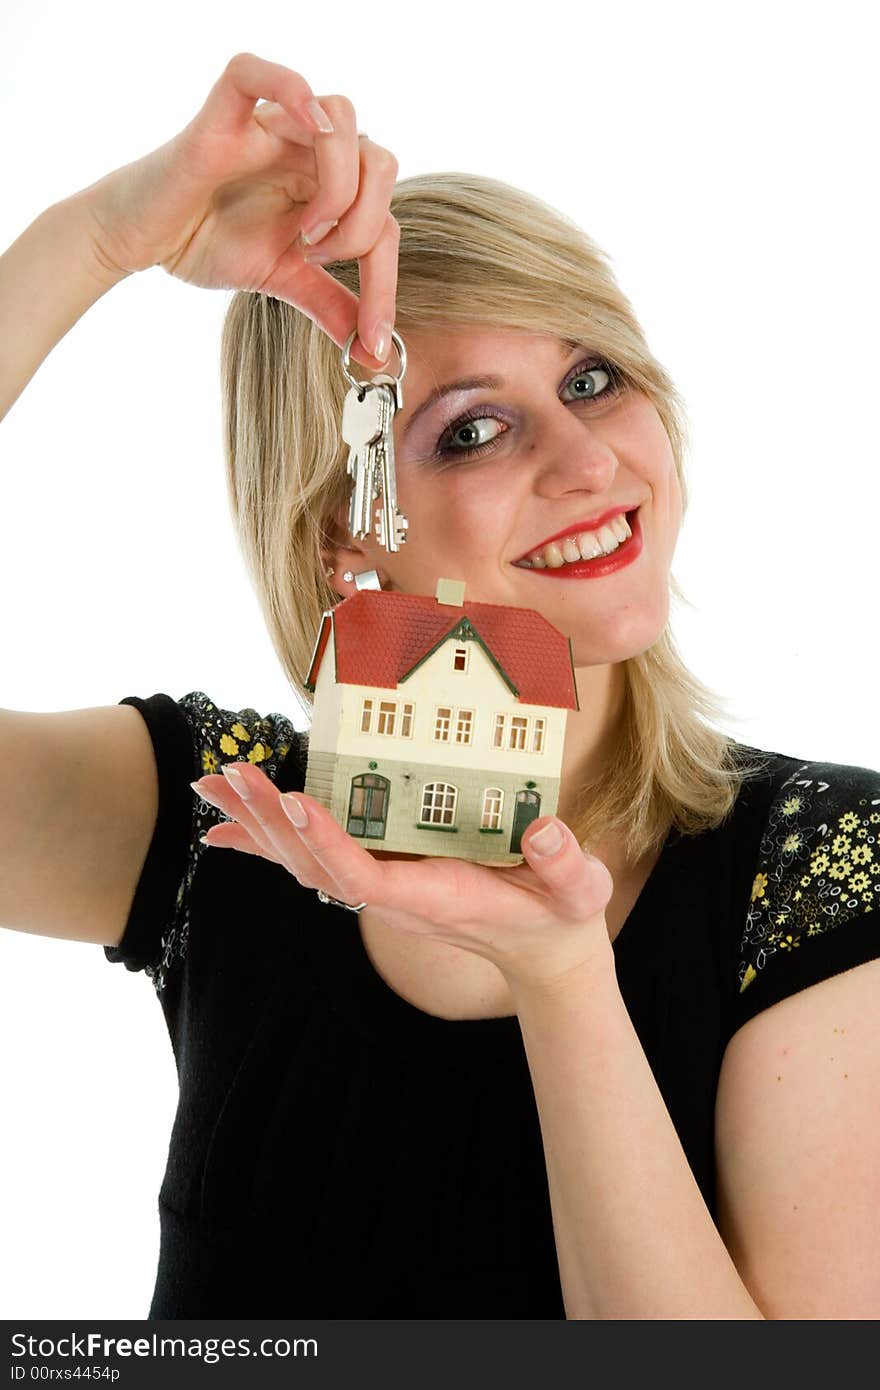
[450, 592]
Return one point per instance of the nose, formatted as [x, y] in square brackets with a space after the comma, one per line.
[572, 454]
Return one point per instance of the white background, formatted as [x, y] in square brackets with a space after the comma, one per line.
[724, 157]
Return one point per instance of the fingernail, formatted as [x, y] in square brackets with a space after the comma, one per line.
[236, 781]
[319, 116]
[382, 341]
[315, 233]
[547, 840]
[294, 810]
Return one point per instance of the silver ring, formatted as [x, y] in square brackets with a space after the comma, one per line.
[325, 898]
[346, 357]
[362, 135]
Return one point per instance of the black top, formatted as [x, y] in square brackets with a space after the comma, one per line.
[339, 1153]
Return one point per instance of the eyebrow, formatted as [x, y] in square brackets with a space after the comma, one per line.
[472, 383]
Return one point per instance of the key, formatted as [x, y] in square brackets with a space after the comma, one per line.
[391, 524]
[375, 454]
[367, 428]
[363, 422]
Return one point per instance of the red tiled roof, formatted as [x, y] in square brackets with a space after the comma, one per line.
[380, 637]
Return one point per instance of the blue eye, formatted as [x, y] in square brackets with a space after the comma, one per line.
[601, 378]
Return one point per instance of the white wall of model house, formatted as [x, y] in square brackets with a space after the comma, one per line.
[454, 707]
[452, 716]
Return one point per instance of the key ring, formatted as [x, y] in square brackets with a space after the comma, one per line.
[325, 898]
[346, 358]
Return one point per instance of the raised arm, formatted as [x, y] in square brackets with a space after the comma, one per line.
[221, 205]
[49, 277]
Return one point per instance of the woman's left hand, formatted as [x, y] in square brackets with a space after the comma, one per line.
[537, 921]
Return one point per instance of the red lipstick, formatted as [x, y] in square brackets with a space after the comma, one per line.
[578, 527]
[628, 551]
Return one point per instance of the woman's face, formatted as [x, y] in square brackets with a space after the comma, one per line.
[565, 444]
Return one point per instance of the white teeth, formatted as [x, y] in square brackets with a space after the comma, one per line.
[585, 546]
[570, 549]
[595, 543]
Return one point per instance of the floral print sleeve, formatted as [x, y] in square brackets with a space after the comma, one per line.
[815, 898]
[192, 737]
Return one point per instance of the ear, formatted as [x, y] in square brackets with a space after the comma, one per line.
[344, 556]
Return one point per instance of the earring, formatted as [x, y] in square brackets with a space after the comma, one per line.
[329, 571]
[368, 579]
[365, 579]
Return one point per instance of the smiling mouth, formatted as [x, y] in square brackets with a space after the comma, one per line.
[615, 538]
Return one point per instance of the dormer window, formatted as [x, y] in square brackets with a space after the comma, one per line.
[460, 659]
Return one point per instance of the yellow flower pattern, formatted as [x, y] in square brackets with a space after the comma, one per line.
[219, 736]
[819, 867]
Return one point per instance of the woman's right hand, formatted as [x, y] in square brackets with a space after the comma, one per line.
[222, 205]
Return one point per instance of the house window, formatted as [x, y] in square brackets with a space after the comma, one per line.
[387, 718]
[464, 727]
[518, 734]
[387, 711]
[493, 798]
[441, 723]
[459, 660]
[438, 803]
[518, 727]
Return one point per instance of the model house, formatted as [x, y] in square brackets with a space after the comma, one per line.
[438, 725]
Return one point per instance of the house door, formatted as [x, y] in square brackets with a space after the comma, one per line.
[368, 807]
[528, 808]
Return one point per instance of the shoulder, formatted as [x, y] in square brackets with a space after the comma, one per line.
[818, 871]
[228, 735]
[792, 1127]
[192, 737]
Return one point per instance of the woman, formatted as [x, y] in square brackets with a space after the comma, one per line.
[508, 1092]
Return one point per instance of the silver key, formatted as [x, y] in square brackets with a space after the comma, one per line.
[391, 524]
[363, 422]
[368, 414]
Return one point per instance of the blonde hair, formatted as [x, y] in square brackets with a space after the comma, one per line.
[473, 250]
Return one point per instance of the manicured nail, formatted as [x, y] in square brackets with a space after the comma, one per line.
[319, 116]
[315, 233]
[547, 840]
[236, 781]
[294, 809]
[382, 341]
